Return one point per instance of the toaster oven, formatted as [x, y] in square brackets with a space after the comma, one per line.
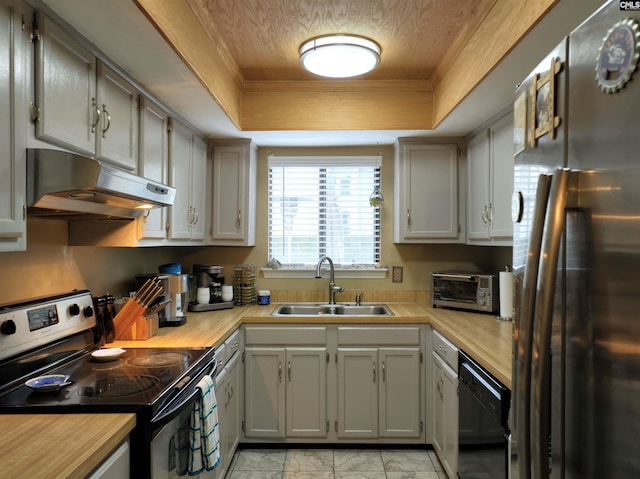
[465, 290]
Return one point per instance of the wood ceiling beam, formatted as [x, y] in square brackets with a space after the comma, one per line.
[337, 105]
[177, 24]
[503, 27]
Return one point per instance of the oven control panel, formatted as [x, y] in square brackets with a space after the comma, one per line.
[36, 322]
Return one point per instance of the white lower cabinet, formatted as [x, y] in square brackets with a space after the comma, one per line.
[116, 466]
[306, 392]
[334, 384]
[264, 393]
[444, 390]
[379, 393]
[285, 392]
[228, 401]
[357, 393]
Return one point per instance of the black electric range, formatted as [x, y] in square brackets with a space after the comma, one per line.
[54, 335]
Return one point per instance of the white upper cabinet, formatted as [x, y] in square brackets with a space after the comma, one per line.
[490, 185]
[426, 193]
[233, 203]
[81, 104]
[117, 135]
[66, 110]
[154, 164]
[187, 174]
[13, 41]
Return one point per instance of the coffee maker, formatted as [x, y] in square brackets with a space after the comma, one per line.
[209, 276]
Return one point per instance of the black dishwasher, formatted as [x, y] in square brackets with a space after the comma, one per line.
[483, 431]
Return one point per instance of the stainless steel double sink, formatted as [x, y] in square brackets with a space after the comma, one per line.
[340, 309]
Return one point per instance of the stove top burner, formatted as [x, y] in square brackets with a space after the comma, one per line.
[119, 386]
[159, 360]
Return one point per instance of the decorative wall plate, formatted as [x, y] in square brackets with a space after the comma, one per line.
[618, 56]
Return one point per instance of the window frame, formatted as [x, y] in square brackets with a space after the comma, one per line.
[361, 270]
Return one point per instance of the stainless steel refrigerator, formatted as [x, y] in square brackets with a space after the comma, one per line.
[576, 256]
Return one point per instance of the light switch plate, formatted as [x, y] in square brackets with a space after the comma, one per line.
[396, 274]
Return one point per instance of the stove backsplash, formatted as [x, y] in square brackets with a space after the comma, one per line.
[50, 266]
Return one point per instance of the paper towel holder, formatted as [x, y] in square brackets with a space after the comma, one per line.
[505, 290]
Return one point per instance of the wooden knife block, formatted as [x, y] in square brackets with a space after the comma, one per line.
[138, 330]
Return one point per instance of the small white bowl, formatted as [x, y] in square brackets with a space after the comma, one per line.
[51, 382]
[107, 354]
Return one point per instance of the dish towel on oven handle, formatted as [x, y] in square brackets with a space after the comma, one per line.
[204, 435]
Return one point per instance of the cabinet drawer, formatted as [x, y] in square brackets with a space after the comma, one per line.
[221, 356]
[446, 350]
[285, 335]
[232, 344]
[378, 336]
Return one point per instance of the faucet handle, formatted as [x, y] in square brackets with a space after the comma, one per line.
[358, 299]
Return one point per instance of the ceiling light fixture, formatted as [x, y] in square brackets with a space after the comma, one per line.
[339, 56]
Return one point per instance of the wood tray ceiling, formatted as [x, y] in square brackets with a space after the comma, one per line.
[434, 52]
[262, 37]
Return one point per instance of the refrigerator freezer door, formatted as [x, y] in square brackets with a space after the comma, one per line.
[602, 378]
[533, 159]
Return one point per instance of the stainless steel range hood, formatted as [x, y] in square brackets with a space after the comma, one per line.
[65, 185]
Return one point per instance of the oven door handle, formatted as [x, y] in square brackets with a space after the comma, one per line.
[172, 410]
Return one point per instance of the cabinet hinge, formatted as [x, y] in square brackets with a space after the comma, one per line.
[421, 426]
[328, 357]
[243, 357]
[336, 357]
[327, 426]
[24, 212]
[35, 112]
[335, 425]
[459, 228]
[35, 35]
[421, 357]
[244, 424]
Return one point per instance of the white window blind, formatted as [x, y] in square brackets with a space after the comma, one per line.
[320, 205]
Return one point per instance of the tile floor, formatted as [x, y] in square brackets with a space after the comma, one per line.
[335, 464]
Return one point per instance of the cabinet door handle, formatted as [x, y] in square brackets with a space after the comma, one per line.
[384, 373]
[96, 115]
[280, 372]
[239, 219]
[196, 217]
[490, 214]
[409, 219]
[107, 117]
[289, 370]
[485, 218]
[374, 372]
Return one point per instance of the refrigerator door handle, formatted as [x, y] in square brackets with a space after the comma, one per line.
[540, 358]
[525, 330]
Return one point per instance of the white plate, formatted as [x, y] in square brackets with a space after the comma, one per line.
[51, 382]
[107, 354]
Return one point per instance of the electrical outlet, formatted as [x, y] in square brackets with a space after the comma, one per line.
[396, 274]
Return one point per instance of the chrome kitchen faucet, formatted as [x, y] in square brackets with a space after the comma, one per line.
[333, 287]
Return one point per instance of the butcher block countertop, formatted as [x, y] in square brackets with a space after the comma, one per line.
[482, 336]
[72, 445]
[59, 445]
